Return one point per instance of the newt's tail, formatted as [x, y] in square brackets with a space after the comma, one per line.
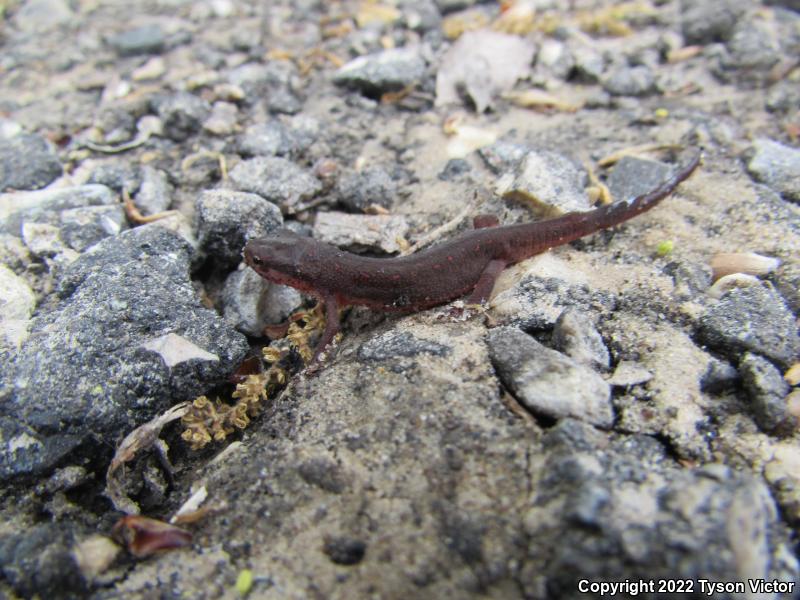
[616, 213]
[535, 238]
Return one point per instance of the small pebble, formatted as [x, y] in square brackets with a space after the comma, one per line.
[182, 114]
[385, 71]
[546, 381]
[223, 119]
[27, 162]
[154, 68]
[632, 177]
[630, 81]
[374, 185]
[551, 183]
[382, 232]
[226, 219]
[147, 39]
[778, 166]
[575, 335]
[17, 302]
[766, 390]
[751, 319]
[277, 179]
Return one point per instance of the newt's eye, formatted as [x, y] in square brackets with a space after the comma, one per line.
[256, 260]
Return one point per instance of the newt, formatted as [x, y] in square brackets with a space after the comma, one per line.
[468, 264]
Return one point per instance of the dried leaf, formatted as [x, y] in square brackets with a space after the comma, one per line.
[484, 64]
[517, 19]
[467, 139]
[370, 12]
[137, 440]
[143, 536]
[539, 99]
[454, 26]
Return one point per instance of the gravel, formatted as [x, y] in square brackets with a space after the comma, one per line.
[606, 416]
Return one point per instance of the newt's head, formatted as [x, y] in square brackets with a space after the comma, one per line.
[283, 258]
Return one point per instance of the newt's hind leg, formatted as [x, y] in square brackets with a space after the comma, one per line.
[483, 289]
[480, 293]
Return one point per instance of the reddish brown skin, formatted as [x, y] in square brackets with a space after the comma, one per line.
[467, 264]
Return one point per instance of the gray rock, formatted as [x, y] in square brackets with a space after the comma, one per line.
[264, 139]
[633, 177]
[17, 302]
[791, 4]
[358, 190]
[547, 382]
[720, 376]
[589, 63]
[628, 374]
[275, 83]
[65, 479]
[9, 128]
[76, 217]
[750, 54]
[626, 80]
[128, 338]
[42, 15]
[225, 220]
[393, 344]
[778, 166]
[448, 6]
[182, 114]
[767, 391]
[554, 59]
[344, 550]
[536, 303]
[504, 155]
[147, 39]
[27, 163]
[753, 319]
[154, 192]
[117, 124]
[117, 176]
[576, 336]
[43, 240]
[421, 15]
[223, 119]
[788, 284]
[25, 452]
[361, 232]
[622, 510]
[284, 101]
[277, 179]
[250, 302]
[83, 227]
[384, 71]
[454, 169]
[276, 139]
[13, 253]
[705, 22]
[549, 182]
[37, 562]
[782, 98]
[691, 279]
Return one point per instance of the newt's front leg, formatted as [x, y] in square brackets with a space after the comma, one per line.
[332, 325]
